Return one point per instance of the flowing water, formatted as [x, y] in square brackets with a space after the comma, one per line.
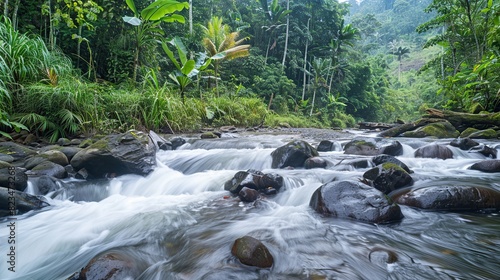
[179, 223]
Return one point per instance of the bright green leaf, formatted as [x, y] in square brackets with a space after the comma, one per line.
[132, 20]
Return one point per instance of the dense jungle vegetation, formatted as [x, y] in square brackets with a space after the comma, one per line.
[69, 67]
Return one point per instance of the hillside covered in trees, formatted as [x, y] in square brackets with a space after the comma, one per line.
[81, 66]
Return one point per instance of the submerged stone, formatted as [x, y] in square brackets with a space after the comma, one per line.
[434, 151]
[251, 251]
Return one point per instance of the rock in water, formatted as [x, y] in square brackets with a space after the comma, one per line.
[388, 177]
[434, 151]
[111, 266]
[127, 153]
[355, 200]
[251, 251]
[452, 198]
[293, 154]
[490, 166]
[24, 202]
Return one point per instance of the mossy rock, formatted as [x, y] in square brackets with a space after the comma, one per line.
[468, 131]
[439, 130]
[484, 134]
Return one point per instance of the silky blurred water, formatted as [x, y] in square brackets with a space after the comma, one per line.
[179, 223]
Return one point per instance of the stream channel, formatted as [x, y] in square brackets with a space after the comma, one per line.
[179, 222]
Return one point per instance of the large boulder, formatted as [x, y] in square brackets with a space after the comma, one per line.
[24, 202]
[434, 151]
[18, 152]
[388, 177]
[293, 154]
[110, 266]
[13, 177]
[439, 130]
[251, 251]
[127, 153]
[489, 133]
[50, 169]
[452, 198]
[490, 166]
[355, 200]
[46, 184]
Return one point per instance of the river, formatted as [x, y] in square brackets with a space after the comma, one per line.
[179, 223]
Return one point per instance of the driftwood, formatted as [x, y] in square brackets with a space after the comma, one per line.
[464, 120]
[376, 125]
[397, 130]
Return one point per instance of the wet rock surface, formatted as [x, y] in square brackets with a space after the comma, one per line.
[434, 151]
[354, 200]
[452, 198]
[253, 252]
[23, 202]
[293, 154]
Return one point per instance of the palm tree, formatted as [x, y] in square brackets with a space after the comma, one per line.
[275, 14]
[320, 67]
[400, 52]
[221, 44]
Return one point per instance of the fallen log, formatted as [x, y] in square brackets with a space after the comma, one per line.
[376, 125]
[397, 130]
[462, 121]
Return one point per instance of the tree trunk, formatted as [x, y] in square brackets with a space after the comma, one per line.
[286, 35]
[78, 46]
[305, 63]
[190, 17]
[460, 120]
[312, 105]
[6, 8]
[14, 14]
[397, 130]
[267, 51]
[270, 101]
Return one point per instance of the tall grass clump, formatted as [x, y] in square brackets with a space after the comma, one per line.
[64, 110]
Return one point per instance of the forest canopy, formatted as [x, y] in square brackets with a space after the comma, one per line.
[83, 66]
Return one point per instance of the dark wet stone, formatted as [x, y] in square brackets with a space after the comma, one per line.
[242, 179]
[46, 184]
[127, 153]
[388, 177]
[251, 251]
[326, 146]
[70, 152]
[24, 202]
[160, 142]
[111, 266]
[293, 154]
[491, 166]
[354, 200]
[434, 151]
[387, 158]
[6, 158]
[82, 174]
[248, 195]
[393, 149]
[271, 180]
[177, 142]
[19, 181]
[315, 162]
[464, 143]
[488, 152]
[50, 169]
[364, 147]
[452, 198]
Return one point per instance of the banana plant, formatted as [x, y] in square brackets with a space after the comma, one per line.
[186, 68]
[147, 22]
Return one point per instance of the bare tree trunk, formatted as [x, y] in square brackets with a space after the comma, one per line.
[312, 105]
[305, 62]
[14, 14]
[267, 51]
[190, 17]
[286, 35]
[6, 8]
